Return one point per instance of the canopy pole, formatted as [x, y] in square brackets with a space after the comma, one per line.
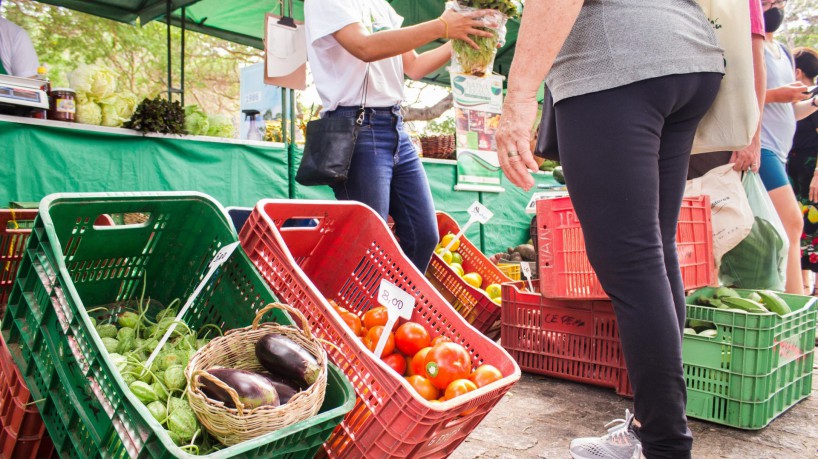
[182, 59]
[170, 59]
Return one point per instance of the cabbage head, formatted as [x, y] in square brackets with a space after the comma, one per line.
[89, 112]
[221, 126]
[118, 108]
[96, 81]
[196, 121]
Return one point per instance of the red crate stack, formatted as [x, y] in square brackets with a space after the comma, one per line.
[344, 257]
[566, 273]
[13, 237]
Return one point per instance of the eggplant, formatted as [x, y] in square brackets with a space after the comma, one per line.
[286, 389]
[282, 356]
[254, 390]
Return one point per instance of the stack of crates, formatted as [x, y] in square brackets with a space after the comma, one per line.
[566, 327]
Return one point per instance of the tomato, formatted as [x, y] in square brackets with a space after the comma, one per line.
[485, 375]
[375, 316]
[411, 337]
[418, 363]
[408, 361]
[353, 321]
[396, 362]
[423, 387]
[458, 387]
[446, 362]
[374, 335]
[439, 339]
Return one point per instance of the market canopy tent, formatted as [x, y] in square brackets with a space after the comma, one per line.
[242, 21]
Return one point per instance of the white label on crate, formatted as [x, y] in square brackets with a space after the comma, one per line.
[218, 260]
[398, 304]
[525, 268]
[480, 212]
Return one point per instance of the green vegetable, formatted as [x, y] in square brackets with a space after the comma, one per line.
[559, 176]
[158, 115]
[128, 319]
[159, 390]
[118, 108]
[143, 391]
[111, 345]
[756, 262]
[119, 361]
[221, 126]
[196, 121]
[175, 378]
[167, 312]
[89, 112]
[93, 81]
[125, 345]
[168, 359]
[183, 422]
[125, 333]
[158, 411]
[106, 331]
[773, 302]
[689, 331]
[709, 333]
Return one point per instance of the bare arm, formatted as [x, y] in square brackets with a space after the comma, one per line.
[417, 66]
[544, 29]
[749, 157]
[389, 43]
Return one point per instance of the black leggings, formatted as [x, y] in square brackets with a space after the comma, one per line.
[625, 154]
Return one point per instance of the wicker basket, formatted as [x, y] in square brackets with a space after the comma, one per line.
[236, 349]
[438, 146]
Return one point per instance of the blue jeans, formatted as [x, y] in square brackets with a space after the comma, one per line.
[386, 174]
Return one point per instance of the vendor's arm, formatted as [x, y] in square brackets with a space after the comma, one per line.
[545, 27]
[796, 94]
[371, 47]
[417, 66]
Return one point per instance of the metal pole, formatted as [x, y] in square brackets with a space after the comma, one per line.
[182, 60]
[170, 69]
[292, 116]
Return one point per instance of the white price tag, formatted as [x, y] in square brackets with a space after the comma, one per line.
[480, 212]
[525, 268]
[218, 260]
[398, 304]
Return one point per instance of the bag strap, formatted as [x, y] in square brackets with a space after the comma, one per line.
[364, 88]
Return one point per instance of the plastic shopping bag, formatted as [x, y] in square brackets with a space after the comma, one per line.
[759, 260]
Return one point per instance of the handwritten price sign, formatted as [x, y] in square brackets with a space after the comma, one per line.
[398, 303]
[480, 212]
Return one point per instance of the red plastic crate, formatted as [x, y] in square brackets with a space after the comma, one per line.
[473, 304]
[13, 237]
[566, 273]
[22, 431]
[577, 340]
[344, 258]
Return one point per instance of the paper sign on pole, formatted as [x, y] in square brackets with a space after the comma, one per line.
[398, 303]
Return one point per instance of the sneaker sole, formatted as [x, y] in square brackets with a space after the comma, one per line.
[637, 454]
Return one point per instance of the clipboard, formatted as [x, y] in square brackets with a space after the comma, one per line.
[285, 52]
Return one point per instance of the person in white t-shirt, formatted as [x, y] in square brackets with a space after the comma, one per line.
[17, 55]
[350, 42]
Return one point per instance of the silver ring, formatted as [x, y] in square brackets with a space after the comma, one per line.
[516, 158]
[512, 154]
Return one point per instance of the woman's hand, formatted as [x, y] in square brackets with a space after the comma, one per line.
[513, 142]
[791, 93]
[461, 25]
[813, 188]
[748, 158]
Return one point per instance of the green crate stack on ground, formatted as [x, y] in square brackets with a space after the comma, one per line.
[755, 368]
[71, 267]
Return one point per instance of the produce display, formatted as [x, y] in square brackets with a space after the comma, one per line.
[129, 339]
[452, 258]
[436, 368]
[158, 115]
[523, 252]
[197, 122]
[756, 302]
[98, 101]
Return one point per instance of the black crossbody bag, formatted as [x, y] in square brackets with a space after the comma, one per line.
[546, 145]
[329, 146]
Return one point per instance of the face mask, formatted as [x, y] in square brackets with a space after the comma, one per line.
[773, 19]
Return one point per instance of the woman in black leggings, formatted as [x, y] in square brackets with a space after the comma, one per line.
[631, 80]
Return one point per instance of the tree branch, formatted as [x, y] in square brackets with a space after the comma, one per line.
[428, 113]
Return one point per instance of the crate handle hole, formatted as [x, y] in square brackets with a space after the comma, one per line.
[122, 221]
[300, 223]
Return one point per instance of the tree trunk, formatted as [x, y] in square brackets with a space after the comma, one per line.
[427, 113]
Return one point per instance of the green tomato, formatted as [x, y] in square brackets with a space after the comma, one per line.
[161, 393]
[158, 411]
[183, 422]
[125, 333]
[143, 391]
[106, 330]
[175, 378]
[111, 345]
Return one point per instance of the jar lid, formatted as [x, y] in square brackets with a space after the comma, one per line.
[63, 90]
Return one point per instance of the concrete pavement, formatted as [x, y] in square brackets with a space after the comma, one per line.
[540, 415]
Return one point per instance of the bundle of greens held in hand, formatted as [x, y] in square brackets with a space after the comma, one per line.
[477, 61]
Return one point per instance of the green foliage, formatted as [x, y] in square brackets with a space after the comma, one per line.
[64, 39]
[506, 7]
[440, 126]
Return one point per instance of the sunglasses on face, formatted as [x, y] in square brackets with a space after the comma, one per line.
[771, 4]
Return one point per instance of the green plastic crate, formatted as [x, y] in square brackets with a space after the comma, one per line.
[70, 266]
[755, 368]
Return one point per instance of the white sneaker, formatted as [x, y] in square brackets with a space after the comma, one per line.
[619, 443]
